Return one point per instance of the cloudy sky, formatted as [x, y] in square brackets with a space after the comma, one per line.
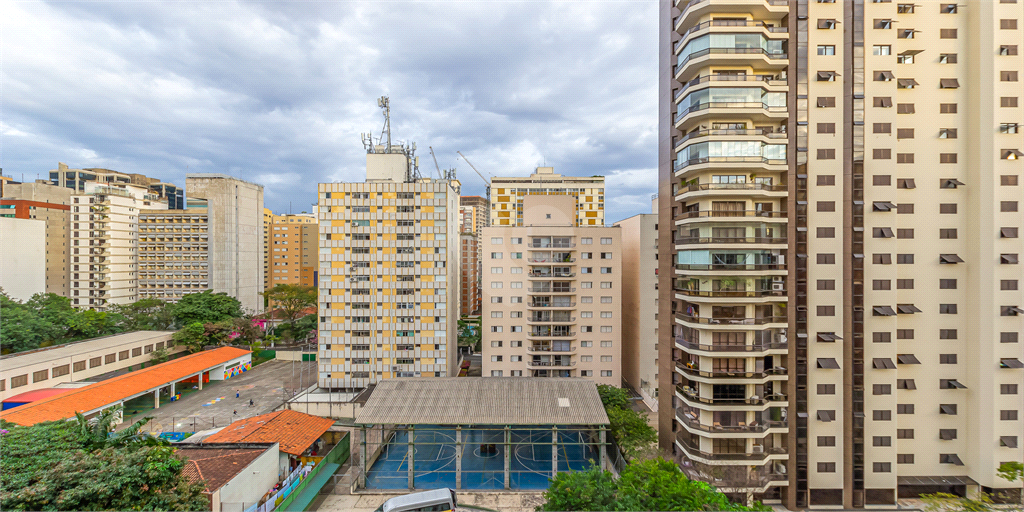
[279, 92]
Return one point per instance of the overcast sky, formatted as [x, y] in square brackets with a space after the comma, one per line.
[279, 92]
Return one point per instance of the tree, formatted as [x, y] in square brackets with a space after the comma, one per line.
[55, 466]
[192, 336]
[631, 431]
[945, 502]
[612, 396]
[469, 334]
[90, 323]
[291, 300]
[655, 484]
[145, 314]
[206, 307]
[160, 355]
[1012, 471]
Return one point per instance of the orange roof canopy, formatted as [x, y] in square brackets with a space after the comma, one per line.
[294, 431]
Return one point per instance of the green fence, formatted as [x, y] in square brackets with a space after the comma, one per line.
[307, 491]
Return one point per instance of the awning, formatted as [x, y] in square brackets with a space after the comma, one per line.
[886, 232]
[883, 23]
[950, 258]
[1008, 441]
[950, 458]
[949, 83]
[1012, 154]
[907, 309]
[907, 359]
[1008, 49]
[884, 75]
[884, 259]
[911, 52]
[885, 102]
[883, 311]
[826, 23]
[883, 206]
[944, 481]
[905, 384]
[947, 409]
[828, 336]
[907, 183]
[883, 363]
[1008, 232]
[1010, 362]
[954, 384]
[907, 82]
[827, 76]
[1010, 259]
[1014, 310]
[947, 434]
[952, 183]
[947, 133]
[828, 363]
[826, 415]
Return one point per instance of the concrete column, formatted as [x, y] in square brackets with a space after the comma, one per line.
[172, 388]
[156, 399]
[412, 457]
[362, 460]
[602, 449]
[508, 457]
[554, 452]
[458, 457]
[200, 381]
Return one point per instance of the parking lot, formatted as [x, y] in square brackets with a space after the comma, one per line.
[267, 385]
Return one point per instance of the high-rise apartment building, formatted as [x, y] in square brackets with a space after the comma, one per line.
[640, 305]
[507, 196]
[51, 204]
[840, 209]
[388, 274]
[552, 296]
[235, 209]
[75, 179]
[268, 220]
[174, 251]
[470, 274]
[474, 214]
[293, 245]
[104, 226]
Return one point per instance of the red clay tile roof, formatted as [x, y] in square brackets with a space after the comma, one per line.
[294, 431]
[36, 395]
[103, 393]
[216, 466]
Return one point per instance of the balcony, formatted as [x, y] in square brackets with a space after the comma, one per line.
[689, 370]
[550, 260]
[721, 110]
[731, 321]
[741, 215]
[550, 364]
[748, 482]
[755, 57]
[762, 453]
[552, 305]
[551, 245]
[731, 294]
[704, 240]
[768, 81]
[760, 9]
[766, 135]
[551, 320]
[544, 349]
[690, 397]
[730, 267]
[544, 289]
[550, 334]
[743, 188]
[739, 349]
[550, 275]
[732, 25]
[755, 427]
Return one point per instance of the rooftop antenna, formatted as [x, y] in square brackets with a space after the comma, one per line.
[384, 104]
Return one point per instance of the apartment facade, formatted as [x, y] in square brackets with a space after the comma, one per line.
[50, 204]
[469, 282]
[234, 213]
[174, 252]
[293, 247]
[840, 190]
[474, 214]
[104, 264]
[507, 195]
[552, 296]
[388, 274]
[640, 305]
[75, 179]
[22, 257]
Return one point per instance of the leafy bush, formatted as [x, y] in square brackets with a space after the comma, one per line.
[629, 428]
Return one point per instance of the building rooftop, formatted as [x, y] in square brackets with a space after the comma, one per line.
[294, 431]
[35, 395]
[215, 466]
[66, 350]
[122, 387]
[484, 401]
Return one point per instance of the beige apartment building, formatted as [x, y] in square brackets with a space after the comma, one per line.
[104, 226]
[388, 275]
[474, 214]
[840, 189]
[174, 252]
[552, 296]
[51, 204]
[640, 304]
[470, 297]
[507, 196]
[293, 247]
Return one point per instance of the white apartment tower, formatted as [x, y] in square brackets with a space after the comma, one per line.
[507, 194]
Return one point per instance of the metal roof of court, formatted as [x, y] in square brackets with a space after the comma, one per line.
[484, 401]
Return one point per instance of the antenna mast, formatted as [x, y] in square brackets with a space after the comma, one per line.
[386, 106]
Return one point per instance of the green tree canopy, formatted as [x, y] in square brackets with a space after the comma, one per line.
[192, 336]
[206, 307]
[291, 300]
[145, 314]
[655, 484]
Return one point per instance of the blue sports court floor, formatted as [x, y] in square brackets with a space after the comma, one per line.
[434, 464]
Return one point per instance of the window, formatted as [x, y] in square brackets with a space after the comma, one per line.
[881, 259]
[496, 328]
[947, 108]
[1008, 415]
[605, 285]
[826, 154]
[495, 300]
[947, 334]
[60, 371]
[40, 375]
[947, 208]
[881, 284]
[1008, 24]
[905, 108]
[1008, 101]
[826, 259]
[20, 380]
[826, 128]
[904, 408]
[882, 180]
[826, 206]
[1008, 49]
[904, 334]
[947, 233]
[882, 101]
[826, 440]
[882, 389]
[496, 270]
[1009, 128]
[881, 49]
[496, 343]
[826, 49]
[947, 33]
[826, 284]
[947, 358]
[904, 158]
[826, 101]
[1007, 389]
[586, 241]
[1008, 284]
[881, 127]
[905, 208]
[881, 467]
[826, 467]
[826, 389]
[905, 133]
[881, 415]
[496, 284]
[606, 241]
[1008, 76]
[904, 259]
[947, 309]
[1008, 206]
[883, 24]
[94, 362]
[606, 373]
[947, 284]
[496, 240]
[823, 232]
[495, 255]
[496, 373]
[826, 311]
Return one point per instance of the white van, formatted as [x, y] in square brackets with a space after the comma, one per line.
[438, 500]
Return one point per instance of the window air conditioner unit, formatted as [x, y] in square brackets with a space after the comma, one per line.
[757, 449]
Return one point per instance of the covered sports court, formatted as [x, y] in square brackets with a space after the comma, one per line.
[479, 433]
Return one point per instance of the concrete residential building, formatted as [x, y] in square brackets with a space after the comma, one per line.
[552, 296]
[507, 196]
[235, 209]
[22, 257]
[174, 252]
[75, 179]
[48, 203]
[474, 214]
[268, 220]
[640, 305]
[104, 243]
[293, 245]
[388, 272]
[840, 190]
[470, 269]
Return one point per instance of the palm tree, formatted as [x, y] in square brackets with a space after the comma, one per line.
[96, 432]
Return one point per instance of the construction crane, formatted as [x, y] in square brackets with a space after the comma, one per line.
[435, 161]
[486, 181]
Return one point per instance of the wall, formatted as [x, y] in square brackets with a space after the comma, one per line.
[248, 486]
[22, 257]
[49, 203]
[640, 305]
